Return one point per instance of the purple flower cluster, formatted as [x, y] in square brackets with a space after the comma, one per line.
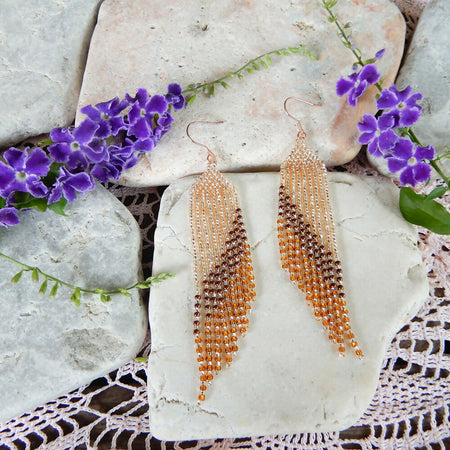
[108, 141]
[397, 110]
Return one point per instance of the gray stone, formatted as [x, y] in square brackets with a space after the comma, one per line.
[286, 377]
[150, 43]
[426, 68]
[43, 51]
[50, 346]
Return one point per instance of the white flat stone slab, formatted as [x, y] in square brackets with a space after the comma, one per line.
[151, 43]
[43, 51]
[49, 347]
[286, 377]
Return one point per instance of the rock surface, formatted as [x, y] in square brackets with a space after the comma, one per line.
[49, 347]
[44, 45]
[429, 48]
[287, 377]
[150, 43]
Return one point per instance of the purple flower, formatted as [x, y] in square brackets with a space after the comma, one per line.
[377, 134]
[8, 216]
[401, 105]
[379, 54]
[68, 184]
[108, 116]
[142, 111]
[356, 83]
[23, 171]
[76, 147]
[408, 159]
[120, 159]
[174, 96]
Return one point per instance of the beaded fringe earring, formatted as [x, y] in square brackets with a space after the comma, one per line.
[223, 272]
[307, 242]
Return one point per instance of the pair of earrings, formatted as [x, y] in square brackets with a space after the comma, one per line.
[223, 271]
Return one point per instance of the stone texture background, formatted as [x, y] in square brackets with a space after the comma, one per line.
[43, 48]
[50, 346]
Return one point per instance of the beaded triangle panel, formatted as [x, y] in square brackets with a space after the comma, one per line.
[307, 242]
[223, 274]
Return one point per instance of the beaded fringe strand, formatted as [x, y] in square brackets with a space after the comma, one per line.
[307, 242]
[223, 274]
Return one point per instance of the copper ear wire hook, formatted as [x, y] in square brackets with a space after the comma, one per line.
[211, 158]
[301, 130]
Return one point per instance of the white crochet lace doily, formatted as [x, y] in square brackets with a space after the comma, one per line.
[411, 407]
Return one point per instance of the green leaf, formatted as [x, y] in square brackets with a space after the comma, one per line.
[54, 290]
[2, 202]
[58, 207]
[35, 274]
[249, 70]
[76, 297]
[437, 192]
[419, 210]
[225, 85]
[35, 203]
[269, 60]
[141, 359]
[43, 288]
[160, 277]
[263, 63]
[45, 142]
[212, 90]
[191, 99]
[105, 298]
[124, 292]
[16, 277]
[255, 66]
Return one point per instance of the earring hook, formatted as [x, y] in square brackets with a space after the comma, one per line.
[295, 118]
[211, 158]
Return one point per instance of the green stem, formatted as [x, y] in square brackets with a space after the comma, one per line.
[139, 285]
[346, 39]
[342, 31]
[250, 66]
[434, 164]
